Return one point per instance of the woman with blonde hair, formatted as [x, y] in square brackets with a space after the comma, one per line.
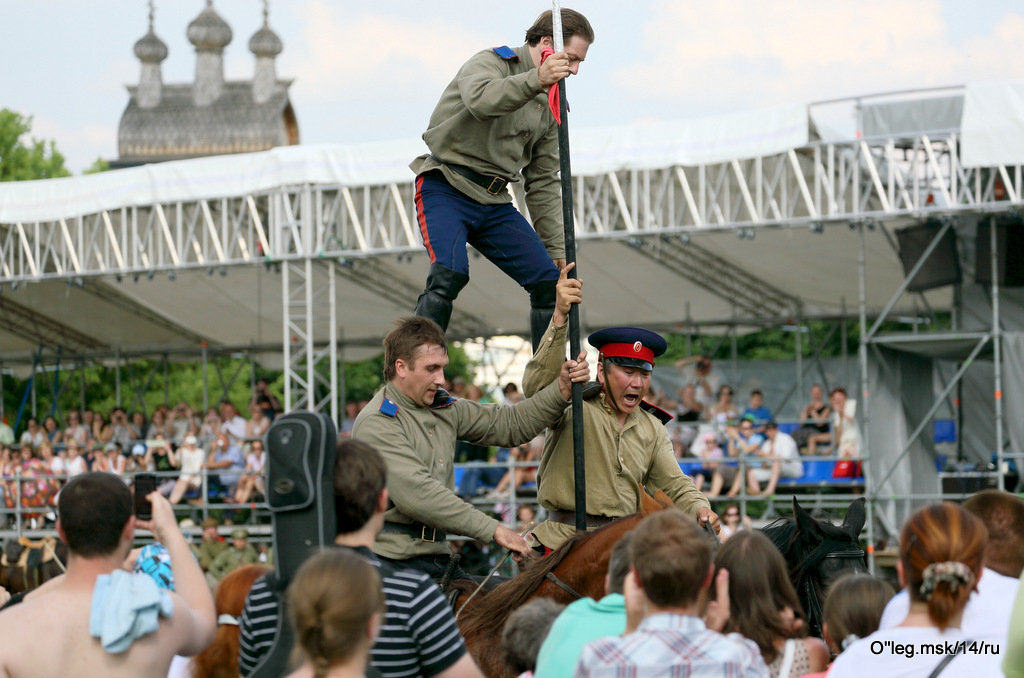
[941, 550]
[336, 604]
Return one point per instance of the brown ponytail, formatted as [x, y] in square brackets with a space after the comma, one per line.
[941, 549]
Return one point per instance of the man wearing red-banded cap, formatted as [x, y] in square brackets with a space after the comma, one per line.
[625, 438]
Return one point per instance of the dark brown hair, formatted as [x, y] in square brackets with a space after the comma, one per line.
[220, 658]
[940, 533]
[671, 558]
[854, 606]
[573, 23]
[93, 509]
[1003, 515]
[403, 342]
[759, 589]
[360, 476]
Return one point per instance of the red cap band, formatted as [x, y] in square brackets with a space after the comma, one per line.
[634, 350]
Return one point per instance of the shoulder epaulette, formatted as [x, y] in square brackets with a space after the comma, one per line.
[388, 408]
[442, 398]
[662, 416]
[591, 389]
[506, 53]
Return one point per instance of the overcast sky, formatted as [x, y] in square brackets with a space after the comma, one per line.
[368, 71]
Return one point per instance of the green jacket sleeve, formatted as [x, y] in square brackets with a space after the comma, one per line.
[488, 91]
[544, 192]
[665, 474]
[506, 426]
[1013, 649]
[547, 360]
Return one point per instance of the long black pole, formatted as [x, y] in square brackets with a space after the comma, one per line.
[579, 471]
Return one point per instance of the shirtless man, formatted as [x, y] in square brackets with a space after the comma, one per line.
[48, 635]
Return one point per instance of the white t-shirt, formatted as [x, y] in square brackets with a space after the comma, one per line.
[57, 466]
[785, 447]
[986, 616]
[914, 652]
[76, 466]
[191, 463]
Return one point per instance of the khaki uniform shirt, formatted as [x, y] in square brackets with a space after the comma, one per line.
[207, 551]
[618, 459]
[231, 558]
[494, 118]
[418, 445]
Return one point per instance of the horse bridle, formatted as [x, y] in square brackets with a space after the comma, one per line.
[814, 607]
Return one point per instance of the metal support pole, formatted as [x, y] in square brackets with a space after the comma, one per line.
[206, 379]
[311, 399]
[799, 352]
[862, 408]
[997, 340]
[332, 338]
[117, 377]
[286, 344]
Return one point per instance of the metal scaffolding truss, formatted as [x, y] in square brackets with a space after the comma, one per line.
[311, 370]
[822, 182]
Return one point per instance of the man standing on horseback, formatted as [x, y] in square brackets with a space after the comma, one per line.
[627, 445]
[414, 424]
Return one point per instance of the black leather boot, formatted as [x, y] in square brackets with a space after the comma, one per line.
[443, 285]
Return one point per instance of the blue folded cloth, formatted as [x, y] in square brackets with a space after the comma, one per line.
[126, 606]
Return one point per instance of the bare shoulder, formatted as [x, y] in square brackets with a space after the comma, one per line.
[817, 653]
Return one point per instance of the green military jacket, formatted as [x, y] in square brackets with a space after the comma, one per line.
[207, 551]
[231, 558]
[494, 118]
[618, 459]
[418, 445]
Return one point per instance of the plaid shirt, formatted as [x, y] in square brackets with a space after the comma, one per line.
[673, 646]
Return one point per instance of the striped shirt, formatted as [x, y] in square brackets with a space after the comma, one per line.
[418, 637]
[671, 646]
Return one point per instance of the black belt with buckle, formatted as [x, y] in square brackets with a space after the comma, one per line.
[490, 183]
[569, 518]
[415, 530]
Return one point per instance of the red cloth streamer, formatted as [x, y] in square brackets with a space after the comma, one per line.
[553, 103]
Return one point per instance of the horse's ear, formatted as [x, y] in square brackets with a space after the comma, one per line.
[664, 500]
[648, 504]
[805, 524]
[856, 514]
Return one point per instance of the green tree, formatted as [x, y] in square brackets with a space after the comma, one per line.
[98, 165]
[22, 158]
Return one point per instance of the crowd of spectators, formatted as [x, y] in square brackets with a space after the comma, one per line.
[179, 444]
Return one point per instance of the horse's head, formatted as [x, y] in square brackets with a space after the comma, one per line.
[826, 550]
[818, 552]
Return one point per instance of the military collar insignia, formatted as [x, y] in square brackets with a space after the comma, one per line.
[389, 408]
[660, 414]
[506, 53]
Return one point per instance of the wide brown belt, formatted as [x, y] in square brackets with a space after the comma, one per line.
[569, 518]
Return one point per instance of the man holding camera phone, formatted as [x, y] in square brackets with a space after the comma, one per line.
[63, 631]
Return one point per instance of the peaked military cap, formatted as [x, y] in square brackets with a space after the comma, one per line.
[629, 346]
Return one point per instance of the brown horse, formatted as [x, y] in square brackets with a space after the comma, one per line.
[27, 564]
[580, 563]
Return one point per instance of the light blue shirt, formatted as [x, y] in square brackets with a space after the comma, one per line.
[578, 624]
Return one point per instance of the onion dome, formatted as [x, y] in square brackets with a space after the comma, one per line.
[209, 31]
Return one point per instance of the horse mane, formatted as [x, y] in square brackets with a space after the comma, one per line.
[488, 617]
